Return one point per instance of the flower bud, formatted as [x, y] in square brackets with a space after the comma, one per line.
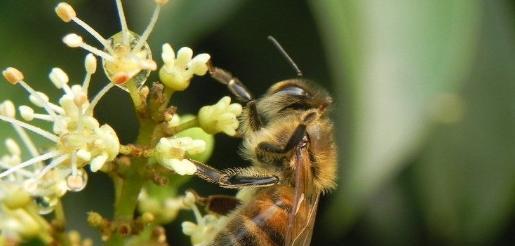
[90, 63]
[221, 117]
[7, 109]
[26, 112]
[39, 99]
[58, 77]
[12, 147]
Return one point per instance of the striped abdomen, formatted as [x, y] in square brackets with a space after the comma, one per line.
[261, 221]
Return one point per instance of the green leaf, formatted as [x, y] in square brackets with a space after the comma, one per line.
[182, 21]
[399, 56]
[466, 177]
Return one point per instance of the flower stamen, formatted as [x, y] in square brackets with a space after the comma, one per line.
[54, 163]
[32, 128]
[99, 96]
[30, 162]
[90, 63]
[148, 30]
[123, 22]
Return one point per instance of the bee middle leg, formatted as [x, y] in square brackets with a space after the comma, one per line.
[235, 177]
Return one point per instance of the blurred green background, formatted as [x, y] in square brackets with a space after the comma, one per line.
[424, 112]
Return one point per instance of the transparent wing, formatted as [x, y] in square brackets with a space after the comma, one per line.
[304, 237]
[302, 216]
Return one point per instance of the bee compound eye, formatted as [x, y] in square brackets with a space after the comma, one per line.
[293, 91]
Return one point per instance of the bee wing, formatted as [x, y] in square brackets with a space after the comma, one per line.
[304, 236]
[302, 216]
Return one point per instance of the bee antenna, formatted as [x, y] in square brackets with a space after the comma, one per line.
[285, 54]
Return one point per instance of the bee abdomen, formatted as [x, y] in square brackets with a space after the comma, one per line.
[262, 221]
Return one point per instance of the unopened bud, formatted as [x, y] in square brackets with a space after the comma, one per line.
[12, 146]
[58, 77]
[7, 109]
[26, 112]
[90, 63]
[39, 99]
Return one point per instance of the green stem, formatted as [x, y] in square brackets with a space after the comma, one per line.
[186, 125]
[59, 213]
[134, 93]
[129, 187]
[61, 223]
[127, 201]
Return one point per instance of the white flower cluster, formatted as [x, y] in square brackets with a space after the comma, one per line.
[171, 153]
[77, 137]
[177, 72]
[221, 117]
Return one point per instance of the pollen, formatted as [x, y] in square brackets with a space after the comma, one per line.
[65, 12]
[73, 40]
[12, 75]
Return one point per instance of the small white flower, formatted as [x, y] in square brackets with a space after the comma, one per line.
[221, 117]
[77, 137]
[125, 55]
[177, 72]
[171, 153]
[206, 228]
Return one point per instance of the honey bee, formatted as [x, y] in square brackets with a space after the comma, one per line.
[288, 137]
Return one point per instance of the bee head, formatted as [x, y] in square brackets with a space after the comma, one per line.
[294, 95]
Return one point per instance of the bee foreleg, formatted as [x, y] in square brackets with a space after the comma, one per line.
[238, 89]
[296, 138]
[234, 178]
[234, 85]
